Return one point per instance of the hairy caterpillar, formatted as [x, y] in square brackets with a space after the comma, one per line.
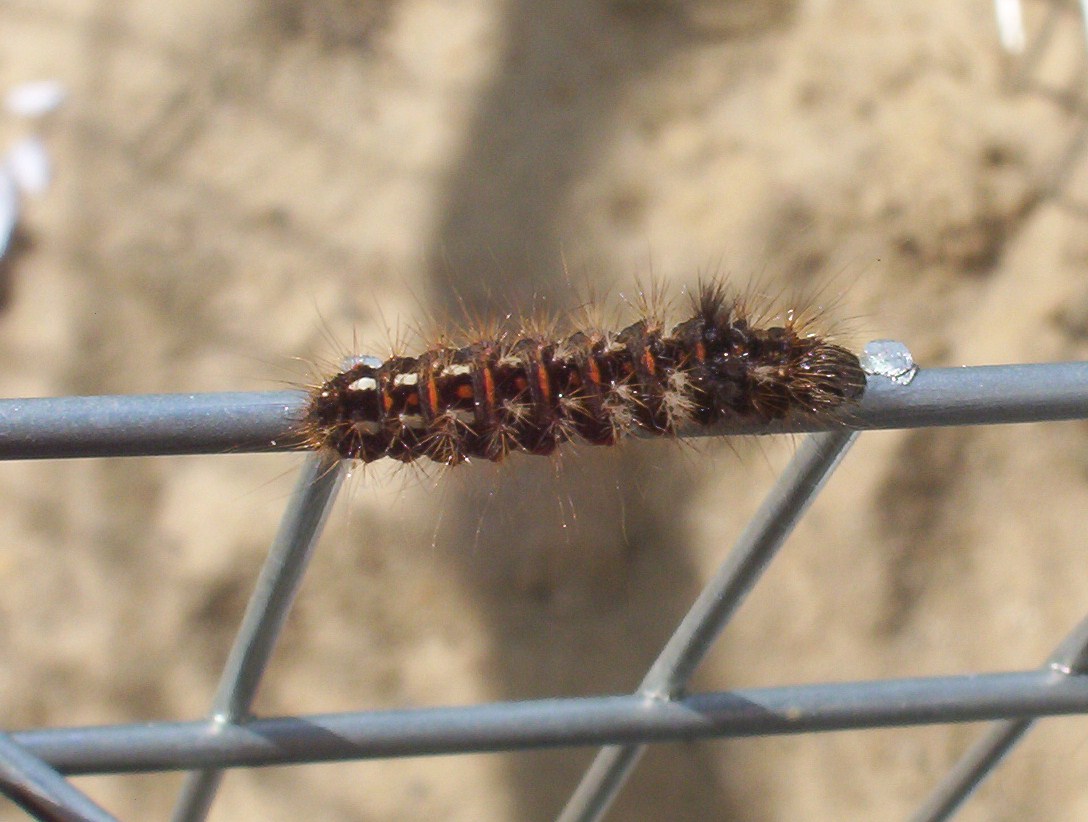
[530, 391]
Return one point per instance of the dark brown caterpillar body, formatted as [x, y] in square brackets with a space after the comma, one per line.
[531, 392]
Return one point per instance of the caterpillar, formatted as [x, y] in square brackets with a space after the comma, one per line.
[526, 390]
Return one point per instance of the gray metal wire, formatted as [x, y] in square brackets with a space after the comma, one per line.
[265, 614]
[39, 790]
[549, 723]
[806, 474]
[166, 424]
[208, 423]
[1070, 658]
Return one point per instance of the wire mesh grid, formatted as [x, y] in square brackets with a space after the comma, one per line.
[188, 424]
[34, 762]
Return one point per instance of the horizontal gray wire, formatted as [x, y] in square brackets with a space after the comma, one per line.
[604, 720]
[149, 425]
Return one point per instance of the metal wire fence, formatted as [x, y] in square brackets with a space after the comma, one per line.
[34, 762]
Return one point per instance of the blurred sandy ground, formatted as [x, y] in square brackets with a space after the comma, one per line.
[233, 178]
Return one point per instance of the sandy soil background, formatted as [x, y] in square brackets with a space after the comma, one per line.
[235, 178]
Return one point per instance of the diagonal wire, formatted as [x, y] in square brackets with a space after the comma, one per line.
[1070, 658]
[265, 614]
[803, 478]
[40, 791]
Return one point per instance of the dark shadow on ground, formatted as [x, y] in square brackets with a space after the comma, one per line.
[578, 602]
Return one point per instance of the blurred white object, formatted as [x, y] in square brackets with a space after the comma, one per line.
[9, 208]
[29, 166]
[25, 169]
[35, 99]
[1010, 25]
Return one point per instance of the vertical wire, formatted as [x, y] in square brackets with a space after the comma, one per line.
[787, 501]
[265, 614]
